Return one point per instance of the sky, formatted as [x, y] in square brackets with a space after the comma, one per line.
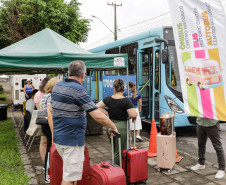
[134, 16]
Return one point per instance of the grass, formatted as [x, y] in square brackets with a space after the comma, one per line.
[3, 95]
[11, 164]
[3, 99]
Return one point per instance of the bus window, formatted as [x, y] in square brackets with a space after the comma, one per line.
[112, 51]
[157, 61]
[145, 68]
[111, 73]
[145, 100]
[131, 50]
[172, 70]
[156, 108]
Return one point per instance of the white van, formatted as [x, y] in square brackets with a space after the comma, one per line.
[18, 82]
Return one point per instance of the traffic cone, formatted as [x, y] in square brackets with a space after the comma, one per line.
[178, 158]
[152, 143]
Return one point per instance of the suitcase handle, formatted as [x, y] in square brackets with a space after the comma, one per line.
[134, 131]
[116, 133]
[105, 165]
[119, 145]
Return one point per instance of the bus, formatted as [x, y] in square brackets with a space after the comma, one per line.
[153, 66]
[203, 73]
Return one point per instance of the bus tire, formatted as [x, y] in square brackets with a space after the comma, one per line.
[200, 86]
[188, 82]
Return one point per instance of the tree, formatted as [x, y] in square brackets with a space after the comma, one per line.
[22, 18]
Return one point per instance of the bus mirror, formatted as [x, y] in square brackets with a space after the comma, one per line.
[165, 56]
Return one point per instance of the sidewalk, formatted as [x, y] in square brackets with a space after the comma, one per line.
[99, 150]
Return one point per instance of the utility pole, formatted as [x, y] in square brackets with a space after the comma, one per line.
[115, 6]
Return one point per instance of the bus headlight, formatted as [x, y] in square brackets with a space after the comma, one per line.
[173, 105]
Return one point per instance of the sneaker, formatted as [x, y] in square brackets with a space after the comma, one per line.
[47, 181]
[139, 138]
[198, 167]
[220, 174]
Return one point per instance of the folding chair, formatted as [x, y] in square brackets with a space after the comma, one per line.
[28, 118]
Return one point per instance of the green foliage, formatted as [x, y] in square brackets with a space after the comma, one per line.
[11, 165]
[3, 96]
[22, 18]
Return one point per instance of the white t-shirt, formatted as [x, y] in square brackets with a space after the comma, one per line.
[30, 105]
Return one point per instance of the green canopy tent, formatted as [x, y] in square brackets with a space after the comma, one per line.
[49, 52]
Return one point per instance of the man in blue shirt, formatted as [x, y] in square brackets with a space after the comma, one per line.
[70, 103]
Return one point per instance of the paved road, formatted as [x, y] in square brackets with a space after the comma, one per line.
[187, 141]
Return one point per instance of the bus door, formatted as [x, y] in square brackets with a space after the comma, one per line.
[149, 82]
[156, 84]
[144, 80]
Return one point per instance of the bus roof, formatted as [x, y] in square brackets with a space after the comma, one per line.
[156, 32]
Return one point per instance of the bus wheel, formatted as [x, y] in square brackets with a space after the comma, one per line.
[188, 82]
[200, 86]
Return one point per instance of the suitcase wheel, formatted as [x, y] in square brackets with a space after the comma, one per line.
[169, 171]
[146, 181]
[159, 170]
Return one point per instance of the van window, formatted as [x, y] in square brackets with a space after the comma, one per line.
[23, 82]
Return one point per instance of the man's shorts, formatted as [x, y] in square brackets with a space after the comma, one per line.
[73, 158]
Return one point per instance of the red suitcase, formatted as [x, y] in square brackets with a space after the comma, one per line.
[56, 167]
[107, 173]
[135, 163]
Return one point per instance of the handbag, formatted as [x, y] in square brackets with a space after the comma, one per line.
[34, 129]
[42, 118]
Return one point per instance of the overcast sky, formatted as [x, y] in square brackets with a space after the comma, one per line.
[133, 16]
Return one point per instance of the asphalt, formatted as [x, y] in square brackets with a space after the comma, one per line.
[99, 150]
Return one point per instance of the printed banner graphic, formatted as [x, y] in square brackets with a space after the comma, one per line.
[200, 36]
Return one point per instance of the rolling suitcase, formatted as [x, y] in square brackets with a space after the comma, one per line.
[107, 173]
[56, 167]
[166, 150]
[135, 163]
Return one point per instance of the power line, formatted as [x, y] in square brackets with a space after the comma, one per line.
[144, 21]
[160, 21]
[133, 31]
[142, 29]
[99, 40]
[130, 32]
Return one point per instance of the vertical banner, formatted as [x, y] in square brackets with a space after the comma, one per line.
[200, 36]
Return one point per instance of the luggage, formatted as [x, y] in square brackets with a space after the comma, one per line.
[135, 163]
[93, 127]
[56, 167]
[107, 173]
[166, 149]
[166, 124]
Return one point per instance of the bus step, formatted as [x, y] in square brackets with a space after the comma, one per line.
[147, 121]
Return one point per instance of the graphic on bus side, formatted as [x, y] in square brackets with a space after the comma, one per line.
[204, 73]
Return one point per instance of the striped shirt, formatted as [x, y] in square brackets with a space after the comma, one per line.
[70, 102]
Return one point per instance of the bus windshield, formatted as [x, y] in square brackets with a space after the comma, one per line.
[172, 70]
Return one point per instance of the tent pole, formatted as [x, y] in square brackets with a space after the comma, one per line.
[128, 125]
[86, 79]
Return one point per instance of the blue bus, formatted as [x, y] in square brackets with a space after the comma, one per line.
[153, 67]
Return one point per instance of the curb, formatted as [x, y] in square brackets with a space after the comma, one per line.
[24, 155]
